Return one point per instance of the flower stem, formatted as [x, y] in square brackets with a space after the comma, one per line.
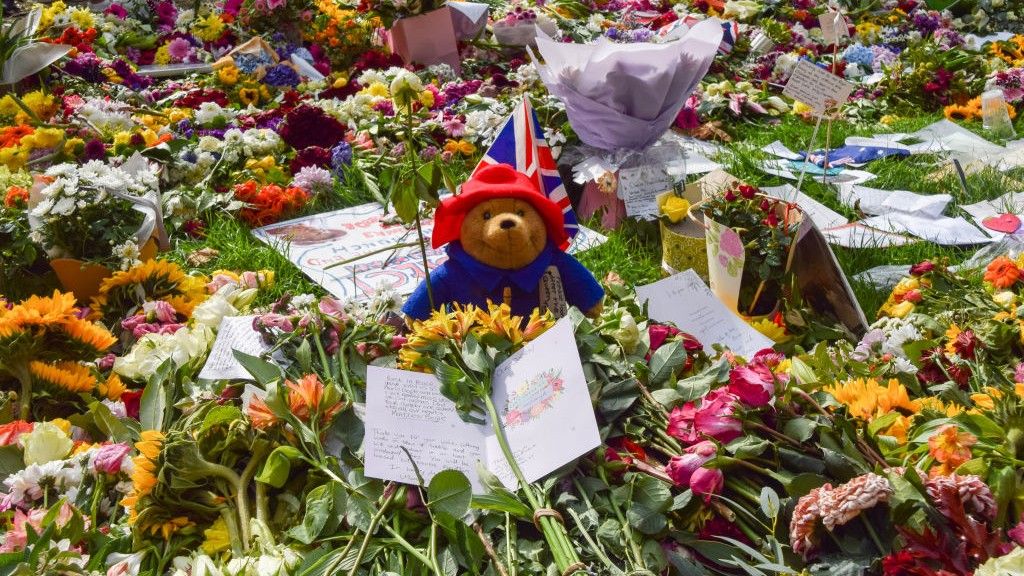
[20, 371]
[373, 528]
[554, 532]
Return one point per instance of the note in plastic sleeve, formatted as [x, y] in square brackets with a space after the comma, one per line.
[817, 87]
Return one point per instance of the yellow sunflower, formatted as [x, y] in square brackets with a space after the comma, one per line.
[70, 376]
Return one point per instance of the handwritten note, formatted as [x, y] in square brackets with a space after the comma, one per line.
[817, 87]
[684, 300]
[234, 333]
[639, 188]
[540, 393]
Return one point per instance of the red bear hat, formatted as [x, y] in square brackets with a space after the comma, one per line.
[490, 182]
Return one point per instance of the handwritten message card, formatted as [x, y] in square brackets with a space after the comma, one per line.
[234, 333]
[540, 393]
[817, 87]
[687, 302]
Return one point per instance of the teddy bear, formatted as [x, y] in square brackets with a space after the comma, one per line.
[506, 243]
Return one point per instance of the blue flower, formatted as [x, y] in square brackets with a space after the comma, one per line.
[282, 75]
[859, 54]
[341, 156]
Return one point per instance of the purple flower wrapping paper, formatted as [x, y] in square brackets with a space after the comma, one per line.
[626, 95]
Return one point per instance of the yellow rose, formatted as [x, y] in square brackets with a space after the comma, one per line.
[900, 310]
[47, 442]
[228, 75]
[675, 208]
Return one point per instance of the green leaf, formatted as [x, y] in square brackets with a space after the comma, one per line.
[803, 373]
[941, 5]
[404, 199]
[304, 356]
[667, 397]
[747, 446]
[109, 424]
[219, 416]
[800, 429]
[882, 423]
[156, 397]
[278, 466]
[801, 484]
[664, 363]
[652, 491]
[450, 493]
[646, 518]
[501, 500]
[262, 371]
[769, 501]
[11, 460]
[475, 357]
[319, 503]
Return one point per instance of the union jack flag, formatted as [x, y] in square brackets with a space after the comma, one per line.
[520, 143]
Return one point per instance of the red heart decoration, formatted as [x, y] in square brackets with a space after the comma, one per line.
[1005, 223]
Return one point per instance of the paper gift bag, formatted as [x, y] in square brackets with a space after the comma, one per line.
[468, 19]
[255, 46]
[426, 39]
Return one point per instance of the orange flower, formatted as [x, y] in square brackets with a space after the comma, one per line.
[951, 447]
[1002, 272]
[12, 431]
[260, 414]
[16, 196]
[304, 396]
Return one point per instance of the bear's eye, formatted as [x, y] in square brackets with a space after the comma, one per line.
[520, 213]
[487, 215]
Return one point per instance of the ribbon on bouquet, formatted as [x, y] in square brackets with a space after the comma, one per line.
[29, 57]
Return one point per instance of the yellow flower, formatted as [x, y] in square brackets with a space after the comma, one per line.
[426, 98]
[228, 75]
[377, 90]
[464, 147]
[983, 401]
[122, 138]
[799, 108]
[83, 19]
[86, 333]
[69, 376]
[217, 536]
[899, 429]
[340, 81]
[897, 310]
[209, 28]
[933, 403]
[249, 96]
[45, 443]
[770, 329]
[867, 398]
[675, 208]
[162, 56]
[1018, 389]
[889, 119]
[112, 388]
[1006, 299]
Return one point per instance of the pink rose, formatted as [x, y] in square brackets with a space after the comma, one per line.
[658, 333]
[714, 419]
[706, 482]
[753, 383]
[109, 457]
[681, 468]
[1017, 534]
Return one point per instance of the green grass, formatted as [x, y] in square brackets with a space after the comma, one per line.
[634, 251]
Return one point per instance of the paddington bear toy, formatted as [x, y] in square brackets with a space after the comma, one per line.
[505, 244]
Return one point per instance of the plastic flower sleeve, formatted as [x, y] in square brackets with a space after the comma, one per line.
[31, 57]
[626, 95]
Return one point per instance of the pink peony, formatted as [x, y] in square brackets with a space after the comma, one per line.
[753, 384]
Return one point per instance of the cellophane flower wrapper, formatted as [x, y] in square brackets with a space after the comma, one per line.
[625, 96]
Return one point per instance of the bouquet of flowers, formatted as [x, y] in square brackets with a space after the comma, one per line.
[750, 240]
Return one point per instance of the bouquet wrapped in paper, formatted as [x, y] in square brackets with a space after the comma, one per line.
[625, 96]
[621, 100]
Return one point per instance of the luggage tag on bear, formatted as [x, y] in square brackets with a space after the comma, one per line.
[552, 293]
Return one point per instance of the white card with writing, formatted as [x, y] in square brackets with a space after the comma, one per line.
[540, 394]
[639, 189]
[234, 333]
[687, 302]
[817, 87]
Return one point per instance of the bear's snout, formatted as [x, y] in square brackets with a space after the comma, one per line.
[508, 223]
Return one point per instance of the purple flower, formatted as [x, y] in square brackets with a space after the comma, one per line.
[179, 49]
[681, 468]
[278, 321]
[94, 150]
